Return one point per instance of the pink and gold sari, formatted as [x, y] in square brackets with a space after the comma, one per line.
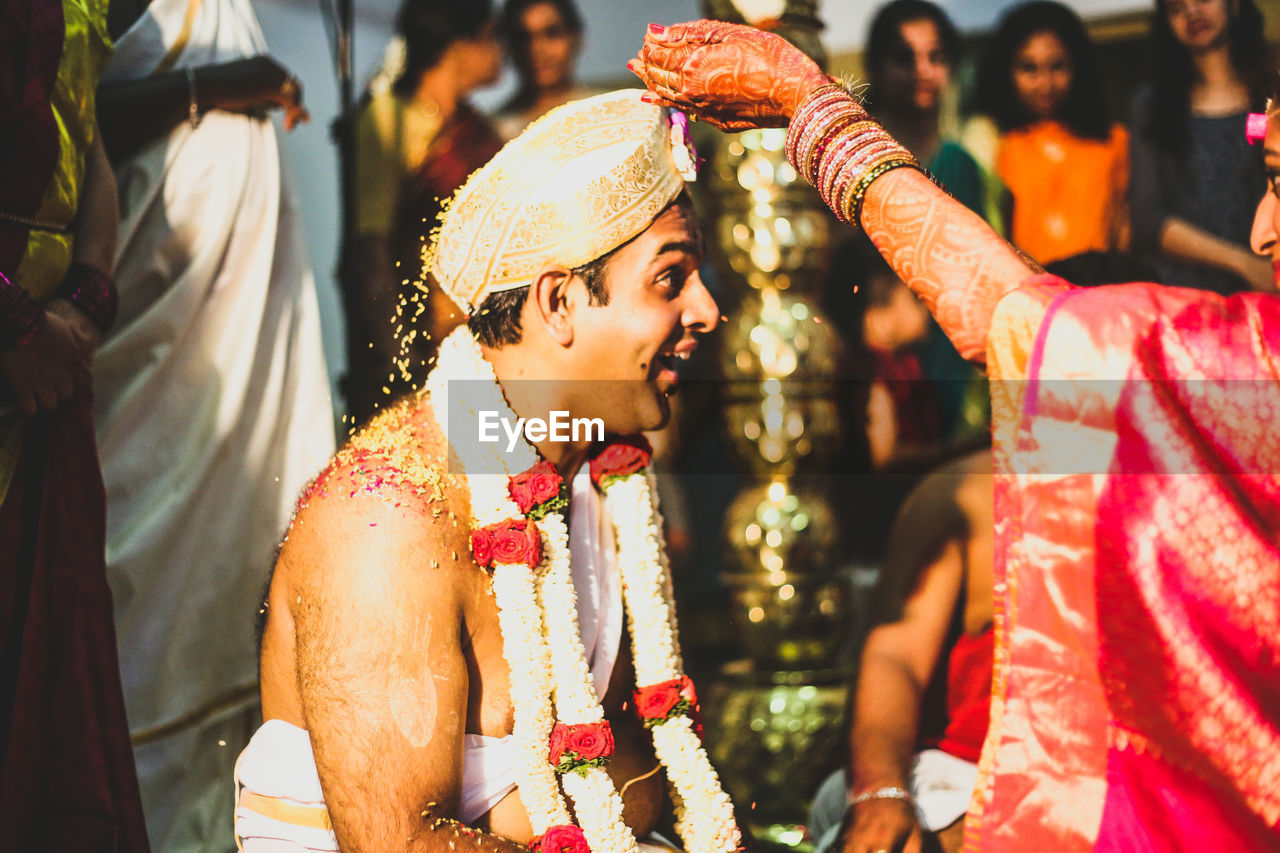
[1136, 697]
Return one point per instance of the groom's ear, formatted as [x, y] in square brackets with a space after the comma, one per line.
[550, 303]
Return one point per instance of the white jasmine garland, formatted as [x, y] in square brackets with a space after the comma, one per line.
[595, 801]
[461, 368]
[538, 616]
[704, 812]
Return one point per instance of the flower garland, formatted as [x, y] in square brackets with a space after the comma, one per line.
[521, 536]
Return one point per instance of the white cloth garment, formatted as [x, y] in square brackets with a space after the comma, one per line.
[213, 409]
[279, 763]
[941, 784]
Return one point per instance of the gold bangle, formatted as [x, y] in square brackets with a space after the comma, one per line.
[193, 102]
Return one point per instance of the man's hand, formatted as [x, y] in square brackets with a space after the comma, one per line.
[251, 85]
[882, 826]
[735, 77]
[48, 370]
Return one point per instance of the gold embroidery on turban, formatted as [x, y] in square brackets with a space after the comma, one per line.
[579, 182]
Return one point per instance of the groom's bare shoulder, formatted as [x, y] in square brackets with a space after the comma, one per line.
[387, 502]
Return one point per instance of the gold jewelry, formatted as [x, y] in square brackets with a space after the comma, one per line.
[290, 87]
[193, 102]
[622, 792]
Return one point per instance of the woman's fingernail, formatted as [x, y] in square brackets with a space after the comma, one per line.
[657, 29]
[647, 98]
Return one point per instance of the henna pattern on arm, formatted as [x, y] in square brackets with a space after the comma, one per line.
[945, 253]
[738, 77]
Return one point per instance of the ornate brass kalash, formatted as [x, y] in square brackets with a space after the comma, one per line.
[775, 719]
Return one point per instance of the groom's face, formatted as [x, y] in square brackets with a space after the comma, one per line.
[657, 310]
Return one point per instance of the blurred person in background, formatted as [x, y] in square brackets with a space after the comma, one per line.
[912, 50]
[882, 325]
[545, 38]
[1195, 175]
[211, 396]
[67, 779]
[417, 140]
[921, 703]
[1063, 160]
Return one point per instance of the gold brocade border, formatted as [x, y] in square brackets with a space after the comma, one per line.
[215, 707]
[184, 38]
[311, 817]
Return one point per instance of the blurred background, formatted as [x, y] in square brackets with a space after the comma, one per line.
[295, 31]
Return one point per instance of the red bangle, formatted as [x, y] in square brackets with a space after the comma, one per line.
[92, 291]
[20, 315]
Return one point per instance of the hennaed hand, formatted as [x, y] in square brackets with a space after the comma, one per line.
[733, 76]
[877, 825]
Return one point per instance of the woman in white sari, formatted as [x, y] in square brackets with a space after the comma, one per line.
[212, 398]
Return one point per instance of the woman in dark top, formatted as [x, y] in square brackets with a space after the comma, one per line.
[1194, 176]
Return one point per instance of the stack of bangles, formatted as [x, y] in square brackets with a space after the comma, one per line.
[85, 286]
[20, 315]
[834, 145]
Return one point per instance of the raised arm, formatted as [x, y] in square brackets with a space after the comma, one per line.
[737, 77]
[377, 613]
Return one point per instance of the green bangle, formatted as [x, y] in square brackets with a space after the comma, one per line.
[853, 208]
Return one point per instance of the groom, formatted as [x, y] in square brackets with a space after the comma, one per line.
[392, 673]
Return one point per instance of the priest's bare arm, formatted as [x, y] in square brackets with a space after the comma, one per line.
[736, 77]
[376, 593]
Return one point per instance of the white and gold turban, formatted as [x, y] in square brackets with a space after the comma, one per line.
[579, 182]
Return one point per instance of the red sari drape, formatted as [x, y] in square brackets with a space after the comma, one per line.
[1136, 703]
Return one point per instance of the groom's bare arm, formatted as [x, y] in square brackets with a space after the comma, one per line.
[376, 602]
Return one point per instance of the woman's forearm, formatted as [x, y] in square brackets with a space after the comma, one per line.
[135, 113]
[98, 215]
[946, 254]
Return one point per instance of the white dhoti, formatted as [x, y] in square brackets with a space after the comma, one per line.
[213, 410]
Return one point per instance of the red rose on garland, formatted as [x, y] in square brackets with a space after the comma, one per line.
[621, 459]
[576, 747]
[512, 542]
[539, 490]
[658, 703]
[592, 741]
[561, 839]
[482, 547]
[559, 740]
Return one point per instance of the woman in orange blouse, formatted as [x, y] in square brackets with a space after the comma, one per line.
[1065, 164]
